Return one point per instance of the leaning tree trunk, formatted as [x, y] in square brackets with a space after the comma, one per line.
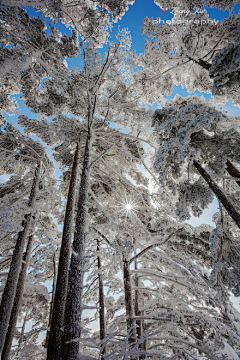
[101, 304]
[73, 308]
[17, 302]
[234, 172]
[55, 334]
[131, 325]
[15, 267]
[219, 194]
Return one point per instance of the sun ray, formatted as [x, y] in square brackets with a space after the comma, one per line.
[128, 205]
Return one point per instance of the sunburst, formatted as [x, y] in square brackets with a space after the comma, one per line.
[128, 205]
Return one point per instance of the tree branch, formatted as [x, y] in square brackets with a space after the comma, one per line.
[151, 246]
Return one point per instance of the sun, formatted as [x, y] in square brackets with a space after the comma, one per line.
[127, 205]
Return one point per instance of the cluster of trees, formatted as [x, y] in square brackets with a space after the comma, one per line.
[159, 286]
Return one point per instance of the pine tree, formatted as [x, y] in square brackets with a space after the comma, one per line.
[22, 153]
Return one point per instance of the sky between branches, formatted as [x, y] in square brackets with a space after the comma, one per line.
[133, 21]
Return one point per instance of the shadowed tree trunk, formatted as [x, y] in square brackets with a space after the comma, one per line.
[131, 325]
[204, 64]
[55, 333]
[52, 300]
[15, 267]
[219, 194]
[17, 301]
[73, 308]
[101, 303]
[139, 323]
[234, 172]
[22, 334]
[136, 303]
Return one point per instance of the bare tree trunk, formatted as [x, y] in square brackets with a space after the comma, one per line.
[55, 334]
[144, 346]
[21, 336]
[233, 171]
[52, 300]
[17, 301]
[73, 308]
[15, 267]
[219, 194]
[139, 323]
[23, 330]
[101, 303]
[131, 325]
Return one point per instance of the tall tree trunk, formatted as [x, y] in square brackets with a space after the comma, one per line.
[15, 267]
[52, 300]
[55, 334]
[219, 194]
[17, 301]
[233, 171]
[137, 311]
[101, 303]
[22, 331]
[73, 308]
[21, 336]
[131, 325]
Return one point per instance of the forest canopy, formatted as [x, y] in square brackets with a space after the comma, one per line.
[119, 123]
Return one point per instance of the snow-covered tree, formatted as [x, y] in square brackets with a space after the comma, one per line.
[180, 287]
[28, 54]
[194, 5]
[183, 52]
[26, 48]
[35, 307]
[176, 302]
[225, 72]
[190, 133]
[113, 101]
[23, 154]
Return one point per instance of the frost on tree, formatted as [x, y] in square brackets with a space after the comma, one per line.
[175, 271]
[30, 43]
[20, 155]
[183, 54]
[193, 5]
[113, 100]
[181, 263]
[189, 129]
[28, 54]
[225, 72]
[89, 19]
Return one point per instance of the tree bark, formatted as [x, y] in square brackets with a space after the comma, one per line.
[219, 194]
[55, 334]
[21, 336]
[15, 267]
[101, 304]
[204, 64]
[52, 300]
[137, 311]
[17, 301]
[234, 172]
[22, 331]
[131, 325]
[73, 308]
